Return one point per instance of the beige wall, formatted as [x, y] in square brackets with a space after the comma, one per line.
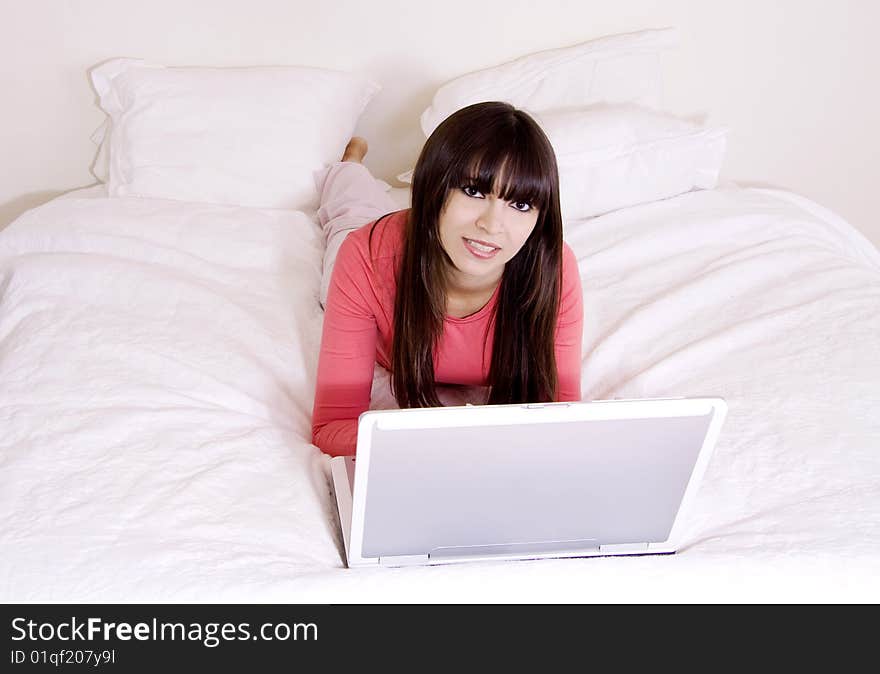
[796, 80]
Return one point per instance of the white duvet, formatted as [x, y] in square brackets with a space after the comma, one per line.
[157, 371]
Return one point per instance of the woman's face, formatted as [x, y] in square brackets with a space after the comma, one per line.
[470, 218]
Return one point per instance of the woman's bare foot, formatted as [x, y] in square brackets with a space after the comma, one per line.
[355, 150]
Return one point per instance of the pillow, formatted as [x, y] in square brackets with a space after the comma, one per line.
[612, 157]
[238, 136]
[614, 69]
[615, 156]
[101, 166]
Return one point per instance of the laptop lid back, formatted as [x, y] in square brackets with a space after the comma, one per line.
[520, 480]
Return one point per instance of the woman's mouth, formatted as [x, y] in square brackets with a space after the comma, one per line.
[480, 250]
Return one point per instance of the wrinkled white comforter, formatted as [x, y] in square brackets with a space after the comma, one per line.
[157, 368]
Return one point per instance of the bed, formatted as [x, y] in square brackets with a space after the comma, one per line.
[157, 361]
[158, 358]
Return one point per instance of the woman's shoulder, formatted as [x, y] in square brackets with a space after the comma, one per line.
[569, 263]
[380, 239]
[572, 290]
[372, 261]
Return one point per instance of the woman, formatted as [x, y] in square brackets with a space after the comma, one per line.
[473, 285]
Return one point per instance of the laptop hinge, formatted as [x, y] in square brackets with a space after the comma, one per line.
[403, 560]
[624, 547]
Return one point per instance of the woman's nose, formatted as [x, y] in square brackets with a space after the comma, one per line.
[492, 217]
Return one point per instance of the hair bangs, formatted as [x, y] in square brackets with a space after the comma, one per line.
[515, 176]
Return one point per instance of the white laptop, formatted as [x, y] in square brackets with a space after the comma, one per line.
[503, 482]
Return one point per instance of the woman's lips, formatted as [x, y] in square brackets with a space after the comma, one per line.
[479, 252]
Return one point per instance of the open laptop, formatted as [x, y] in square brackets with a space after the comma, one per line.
[503, 482]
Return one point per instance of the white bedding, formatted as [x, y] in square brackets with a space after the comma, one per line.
[157, 365]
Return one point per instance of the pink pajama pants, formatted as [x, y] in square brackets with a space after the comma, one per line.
[350, 198]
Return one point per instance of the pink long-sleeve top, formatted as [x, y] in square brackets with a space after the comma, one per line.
[358, 329]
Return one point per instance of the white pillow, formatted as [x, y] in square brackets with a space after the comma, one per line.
[612, 157]
[615, 156]
[240, 136]
[101, 137]
[614, 69]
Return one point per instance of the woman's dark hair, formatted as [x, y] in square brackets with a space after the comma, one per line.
[475, 146]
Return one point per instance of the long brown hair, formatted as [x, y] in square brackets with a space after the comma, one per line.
[472, 146]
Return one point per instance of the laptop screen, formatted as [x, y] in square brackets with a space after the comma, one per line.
[611, 481]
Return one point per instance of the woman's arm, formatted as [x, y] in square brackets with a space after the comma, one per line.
[570, 330]
[348, 354]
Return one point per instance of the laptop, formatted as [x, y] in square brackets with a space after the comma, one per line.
[444, 485]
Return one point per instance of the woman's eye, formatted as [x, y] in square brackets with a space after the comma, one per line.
[521, 206]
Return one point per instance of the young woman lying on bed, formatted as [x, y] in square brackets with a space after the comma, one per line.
[472, 285]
